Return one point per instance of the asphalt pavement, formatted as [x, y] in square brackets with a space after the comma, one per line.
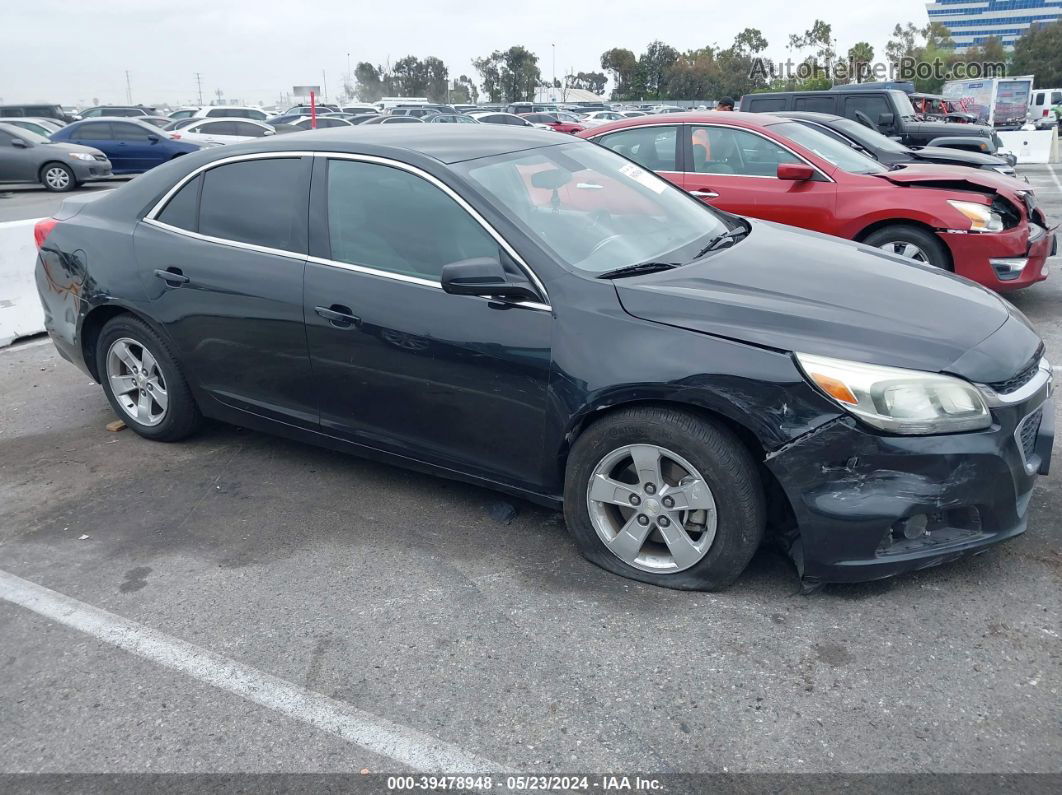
[241, 603]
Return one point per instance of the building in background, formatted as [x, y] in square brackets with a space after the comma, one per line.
[970, 22]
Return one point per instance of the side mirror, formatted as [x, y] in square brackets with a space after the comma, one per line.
[19, 143]
[485, 276]
[885, 119]
[795, 171]
[153, 138]
[269, 132]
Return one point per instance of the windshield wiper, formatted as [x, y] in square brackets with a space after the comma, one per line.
[719, 240]
[637, 270]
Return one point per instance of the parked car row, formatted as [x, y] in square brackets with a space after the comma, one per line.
[680, 380]
[817, 172]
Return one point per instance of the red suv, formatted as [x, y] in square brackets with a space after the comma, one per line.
[561, 122]
[983, 226]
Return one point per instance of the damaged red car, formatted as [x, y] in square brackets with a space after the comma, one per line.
[983, 226]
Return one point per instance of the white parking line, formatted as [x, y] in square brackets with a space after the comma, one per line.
[1054, 176]
[378, 735]
[21, 346]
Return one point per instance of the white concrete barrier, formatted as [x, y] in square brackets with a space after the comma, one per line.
[1034, 146]
[20, 308]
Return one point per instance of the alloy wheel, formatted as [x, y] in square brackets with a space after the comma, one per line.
[904, 249]
[57, 178]
[137, 382]
[651, 508]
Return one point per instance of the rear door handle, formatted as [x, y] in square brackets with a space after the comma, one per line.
[338, 316]
[172, 276]
[704, 194]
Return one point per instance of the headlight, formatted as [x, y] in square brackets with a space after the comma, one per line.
[982, 219]
[81, 156]
[900, 401]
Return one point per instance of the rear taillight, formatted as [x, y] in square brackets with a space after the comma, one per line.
[42, 229]
[1045, 111]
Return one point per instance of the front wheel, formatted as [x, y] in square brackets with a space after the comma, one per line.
[143, 381]
[58, 178]
[666, 497]
[910, 242]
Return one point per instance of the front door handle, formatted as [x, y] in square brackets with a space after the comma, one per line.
[704, 194]
[338, 316]
[172, 276]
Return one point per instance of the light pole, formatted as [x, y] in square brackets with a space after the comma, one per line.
[553, 85]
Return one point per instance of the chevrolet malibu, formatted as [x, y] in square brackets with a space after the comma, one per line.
[542, 316]
[979, 224]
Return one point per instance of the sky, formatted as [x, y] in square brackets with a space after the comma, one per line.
[77, 52]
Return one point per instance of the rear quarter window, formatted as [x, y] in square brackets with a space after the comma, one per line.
[182, 210]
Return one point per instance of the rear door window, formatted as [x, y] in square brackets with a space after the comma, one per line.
[814, 104]
[94, 131]
[766, 104]
[129, 132]
[261, 202]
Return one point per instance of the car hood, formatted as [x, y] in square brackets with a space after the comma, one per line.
[63, 146]
[795, 290]
[958, 156]
[942, 128]
[936, 175]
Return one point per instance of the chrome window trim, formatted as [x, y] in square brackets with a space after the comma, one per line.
[151, 217]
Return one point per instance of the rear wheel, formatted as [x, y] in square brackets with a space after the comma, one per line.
[143, 381]
[57, 177]
[666, 497]
[910, 242]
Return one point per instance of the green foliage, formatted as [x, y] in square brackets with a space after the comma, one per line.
[622, 65]
[408, 77]
[489, 69]
[510, 76]
[1039, 53]
[586, 81]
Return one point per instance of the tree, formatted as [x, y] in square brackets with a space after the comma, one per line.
[519, 74]
[695, 75]
[587, 81]
[820, 37]
[368, 82]
[489, 69]
[929, 44]
[464, 91]
[623, 66]
[737, 76]
[1039, 53]
[656, 63]
[861, 56]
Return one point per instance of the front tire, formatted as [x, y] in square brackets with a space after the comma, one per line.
[143, 381]
[911, 242]
[666, 497]
[57, 177]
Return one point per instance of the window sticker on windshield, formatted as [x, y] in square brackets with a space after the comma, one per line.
[640, 176]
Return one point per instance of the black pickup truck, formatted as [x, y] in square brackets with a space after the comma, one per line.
[889, 111]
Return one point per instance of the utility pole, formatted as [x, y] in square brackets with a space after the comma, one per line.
[324, 85]
[128, 88]
[553, 85]
[350, 81]
[199, 87]
[219, 93]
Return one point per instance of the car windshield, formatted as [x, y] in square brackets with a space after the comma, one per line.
[903, 104]
[844, 157]
[594, 210]
[29, 135]
[868, 138]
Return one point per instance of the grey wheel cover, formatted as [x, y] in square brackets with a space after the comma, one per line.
[904, 248]
[137, 382]
[57, 177]
[651, 508]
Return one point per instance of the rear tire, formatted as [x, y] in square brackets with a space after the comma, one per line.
[143, 381]
[57, 177]
[911, 242]
[700, 521]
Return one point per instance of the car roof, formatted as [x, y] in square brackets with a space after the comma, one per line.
[445, 143]
[808, 115]
[729, 118]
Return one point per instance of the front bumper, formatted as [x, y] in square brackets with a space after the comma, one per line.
[981, 256]
[86, 171]
[854, 492]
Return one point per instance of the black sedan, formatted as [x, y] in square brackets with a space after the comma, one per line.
[545, 317]
[891, 152]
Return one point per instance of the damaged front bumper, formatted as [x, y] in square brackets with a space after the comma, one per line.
[869, 505]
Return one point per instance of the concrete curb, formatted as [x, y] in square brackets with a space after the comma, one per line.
[20, 308]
